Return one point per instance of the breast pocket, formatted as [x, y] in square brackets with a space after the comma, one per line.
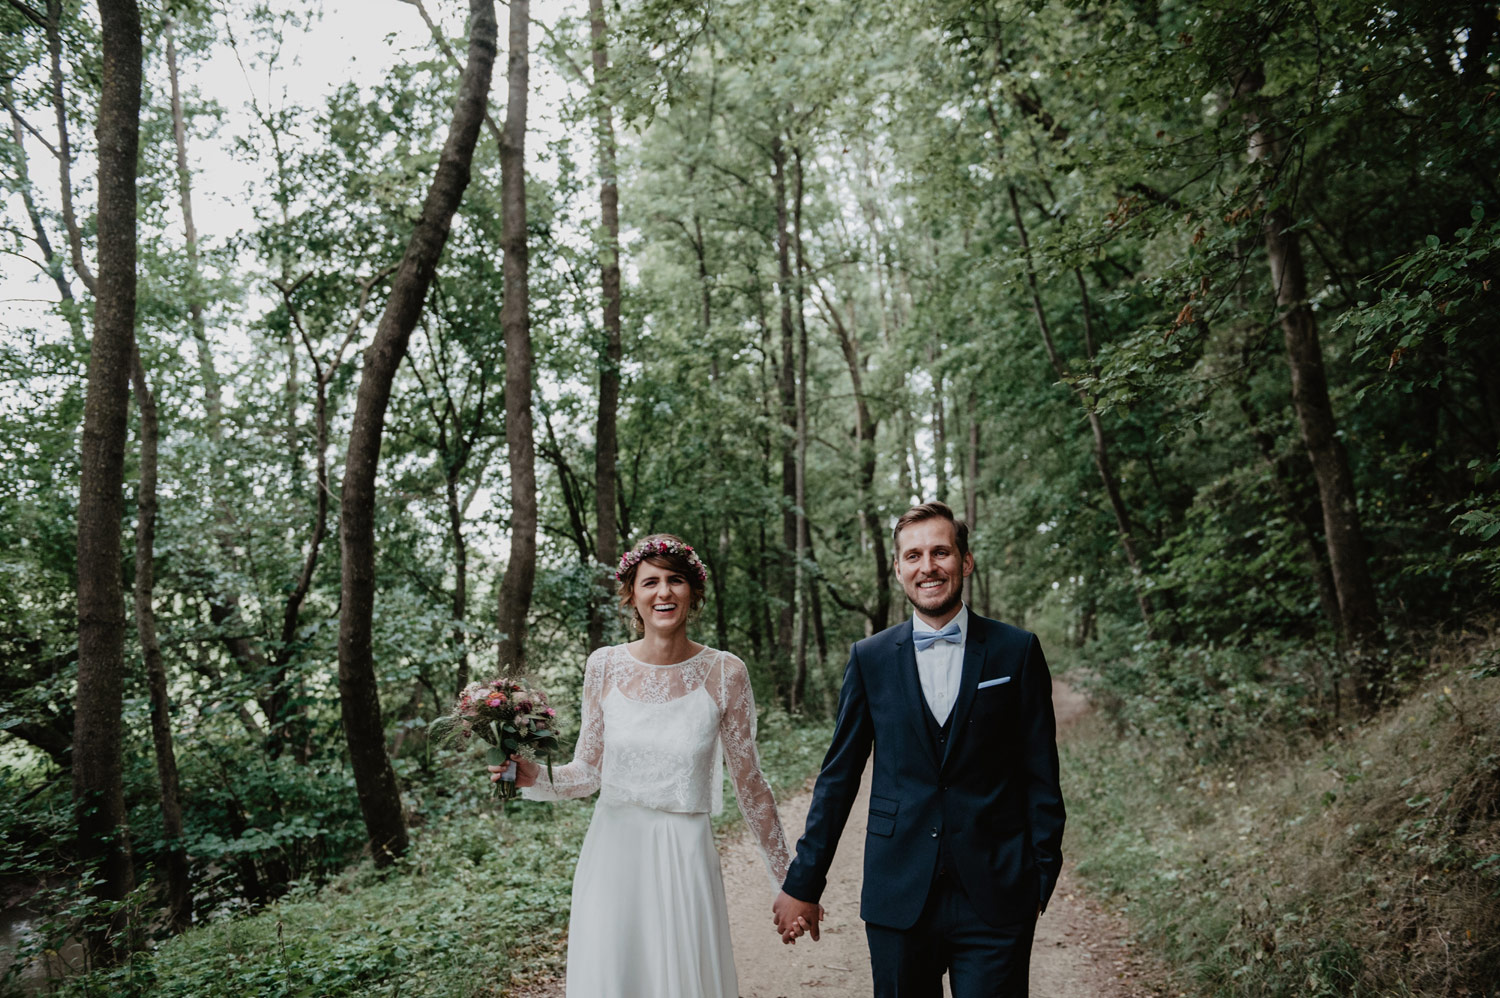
[994, 700]
[882, 815]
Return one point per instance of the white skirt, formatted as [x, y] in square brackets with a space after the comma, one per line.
[649, 916]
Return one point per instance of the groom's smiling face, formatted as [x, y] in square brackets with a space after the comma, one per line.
[930, 568]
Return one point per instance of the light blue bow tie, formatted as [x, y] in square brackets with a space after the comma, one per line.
[926, 639]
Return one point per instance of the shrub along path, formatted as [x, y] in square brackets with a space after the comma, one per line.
[1081, 949]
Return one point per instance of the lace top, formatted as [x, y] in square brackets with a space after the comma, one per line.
[651, 734]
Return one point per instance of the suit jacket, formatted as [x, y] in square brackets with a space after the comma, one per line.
[990, 796]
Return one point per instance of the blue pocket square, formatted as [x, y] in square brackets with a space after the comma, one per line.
[994, 682]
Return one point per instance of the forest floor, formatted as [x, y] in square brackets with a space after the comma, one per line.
[1082, 950]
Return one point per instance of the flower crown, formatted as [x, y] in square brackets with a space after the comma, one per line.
[655, 549]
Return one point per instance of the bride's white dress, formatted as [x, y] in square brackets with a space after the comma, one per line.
[648, 915]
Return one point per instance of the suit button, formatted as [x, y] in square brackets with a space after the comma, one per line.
[934, 833]
[945, 788]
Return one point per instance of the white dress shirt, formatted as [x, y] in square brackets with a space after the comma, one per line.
[940, 668]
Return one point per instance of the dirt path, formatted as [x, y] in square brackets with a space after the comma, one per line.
[1081, 951]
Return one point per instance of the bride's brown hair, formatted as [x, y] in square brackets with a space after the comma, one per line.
[664, 551]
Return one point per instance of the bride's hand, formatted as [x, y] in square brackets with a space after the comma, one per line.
[526, 771]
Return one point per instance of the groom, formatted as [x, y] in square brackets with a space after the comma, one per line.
[963, 846]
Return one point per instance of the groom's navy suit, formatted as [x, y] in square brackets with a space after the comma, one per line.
[972, 806]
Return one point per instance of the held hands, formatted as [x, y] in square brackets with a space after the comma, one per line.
[526, 772]
[793, 917]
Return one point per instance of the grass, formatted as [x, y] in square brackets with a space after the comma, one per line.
[1362, 863]
[480, 900]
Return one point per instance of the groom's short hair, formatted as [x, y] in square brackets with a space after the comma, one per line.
[932, 511]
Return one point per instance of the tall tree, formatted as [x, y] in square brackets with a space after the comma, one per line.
[460, 426]
[787, 388]
[804, 603]
[179, 886]
[866, 429]
[1102, 461]
[606, 443]
[103, 838]
[359, 699]
[971, 482]
[1359, 610]
[515, 319]
[212, 395]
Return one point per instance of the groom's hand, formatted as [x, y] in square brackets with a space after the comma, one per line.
[792, 917]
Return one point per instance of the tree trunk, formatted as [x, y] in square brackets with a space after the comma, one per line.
[971, 486]
[1359, 610]
[64, 146]
[786, 381]
[379, 797]
[1100, 440]
[56, 265]
[284, 719]
[520, 572]
[241, 648]
[212, 401]
[705, 297]
[460, 579]
[815, 602]
[179, 889]
[865, 427]
[939, 425]
[606, 452]
[1284, 477]
[103, 838]
[804, 603]
[720, 580]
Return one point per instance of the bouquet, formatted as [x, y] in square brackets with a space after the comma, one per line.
[511, 719]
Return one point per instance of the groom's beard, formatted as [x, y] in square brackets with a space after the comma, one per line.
[943, 609]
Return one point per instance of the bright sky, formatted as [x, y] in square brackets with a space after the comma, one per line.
[358, 40]
[354, 40]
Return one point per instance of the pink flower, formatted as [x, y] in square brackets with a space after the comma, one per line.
[550, 712]
[496, 701]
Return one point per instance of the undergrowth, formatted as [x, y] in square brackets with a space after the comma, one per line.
[481, 899]
[1264, 849]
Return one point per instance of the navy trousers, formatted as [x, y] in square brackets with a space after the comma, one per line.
[982, 960]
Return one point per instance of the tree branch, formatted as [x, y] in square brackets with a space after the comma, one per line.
[442, 42]
[64, 150]
[22, 122]
[28, 12]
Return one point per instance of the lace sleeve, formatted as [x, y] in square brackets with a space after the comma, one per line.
[737, 731]
[580, 777]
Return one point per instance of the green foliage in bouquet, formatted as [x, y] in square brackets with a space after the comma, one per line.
[511, 718]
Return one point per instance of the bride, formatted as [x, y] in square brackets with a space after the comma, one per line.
[648, 915]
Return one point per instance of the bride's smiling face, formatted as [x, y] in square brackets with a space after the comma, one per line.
[663, 597]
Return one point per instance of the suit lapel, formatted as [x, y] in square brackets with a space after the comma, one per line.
[974, 654]
[910, 686]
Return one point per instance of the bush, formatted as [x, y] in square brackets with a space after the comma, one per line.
[481, 896]
[1361, 861]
